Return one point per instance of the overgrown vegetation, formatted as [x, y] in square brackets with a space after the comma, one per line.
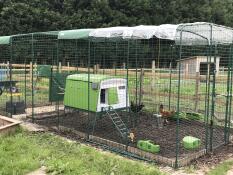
[24, 152]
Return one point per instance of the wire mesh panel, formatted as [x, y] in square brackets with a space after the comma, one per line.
[128, 91]
[154, 74]
[208, 49]
[4, 76]
[45, 57]
[112, 117]
[72, 58]
[21, 57]
[30, 55]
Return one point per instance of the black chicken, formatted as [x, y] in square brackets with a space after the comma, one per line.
[136, 107]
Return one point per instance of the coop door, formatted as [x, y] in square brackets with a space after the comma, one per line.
[112, 96]
[103, 96]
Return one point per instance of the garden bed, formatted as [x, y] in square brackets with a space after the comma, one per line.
[8, 125]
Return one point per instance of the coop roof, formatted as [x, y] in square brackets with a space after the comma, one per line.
[74, 34]
[95, 78]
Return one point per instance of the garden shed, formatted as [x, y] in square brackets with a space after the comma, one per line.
[199, 64]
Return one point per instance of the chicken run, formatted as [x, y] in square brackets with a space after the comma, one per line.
[158, 93]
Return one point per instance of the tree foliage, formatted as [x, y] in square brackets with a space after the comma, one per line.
[22, 16]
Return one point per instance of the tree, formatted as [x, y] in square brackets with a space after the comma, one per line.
[22, 16]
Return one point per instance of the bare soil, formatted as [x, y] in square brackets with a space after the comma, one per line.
[146, 130]
[211, 159]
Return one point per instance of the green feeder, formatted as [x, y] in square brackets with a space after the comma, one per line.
[148, 146]
[190, 142]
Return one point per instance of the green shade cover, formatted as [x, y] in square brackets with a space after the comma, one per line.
[4, 40]
[75, 34]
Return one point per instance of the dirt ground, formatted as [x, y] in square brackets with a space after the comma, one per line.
[212, 159]
[146, 129]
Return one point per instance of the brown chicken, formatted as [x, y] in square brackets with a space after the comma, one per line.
[132, 135]
[165, 114]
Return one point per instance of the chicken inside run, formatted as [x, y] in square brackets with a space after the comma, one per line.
[114, 115]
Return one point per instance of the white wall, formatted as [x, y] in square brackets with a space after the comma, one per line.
[190, 66]
[115, 82]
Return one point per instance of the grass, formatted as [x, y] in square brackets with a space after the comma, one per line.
[222, 168]
[24, 152]
[190, 169]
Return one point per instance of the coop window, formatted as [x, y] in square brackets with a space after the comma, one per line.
[103, 96]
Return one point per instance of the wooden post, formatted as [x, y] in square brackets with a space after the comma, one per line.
[97, 68]
[186, 71]
[114, 67]
[197, 91]
[123, 65]
[68, 66]
[153, 75]
[8, 69]
[81, 63]
[59, 67]
[94, 69]
[35, 69]
[153, 81]
[31, 71]
[141, 85]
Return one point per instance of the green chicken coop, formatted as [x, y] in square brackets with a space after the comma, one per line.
[103, 92]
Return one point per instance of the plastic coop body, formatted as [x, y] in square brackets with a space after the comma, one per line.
[104, 91]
